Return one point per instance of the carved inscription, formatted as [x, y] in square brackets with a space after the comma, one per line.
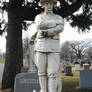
[29, 81]
[26, 82]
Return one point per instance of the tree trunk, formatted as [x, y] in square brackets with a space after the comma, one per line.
[14, 51]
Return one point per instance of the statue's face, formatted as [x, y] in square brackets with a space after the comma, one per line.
[48, 6]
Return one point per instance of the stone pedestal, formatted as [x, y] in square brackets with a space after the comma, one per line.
[68, 71]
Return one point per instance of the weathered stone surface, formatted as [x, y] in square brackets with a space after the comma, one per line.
[86, 66]
[26, 82]
[85, 79]
[77, 67]
[68, 71]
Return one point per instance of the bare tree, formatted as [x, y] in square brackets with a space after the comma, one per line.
[66, 51]
[79, 48]
[74, 50]
[89, 54]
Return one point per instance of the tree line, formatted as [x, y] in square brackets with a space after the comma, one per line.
[74, 51]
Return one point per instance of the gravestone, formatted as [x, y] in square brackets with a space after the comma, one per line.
[86, 66]
[85, 80]
[68, 71]
[77, 67]
[26, 82]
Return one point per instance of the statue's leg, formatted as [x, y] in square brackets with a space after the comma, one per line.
[53, 71]
[59, 85]
[41, 65]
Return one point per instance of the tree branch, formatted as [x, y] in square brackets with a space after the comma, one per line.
[69, 9]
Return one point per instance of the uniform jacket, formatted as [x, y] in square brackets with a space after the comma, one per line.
[52, 24]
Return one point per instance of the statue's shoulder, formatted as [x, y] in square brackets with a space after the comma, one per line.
[58, 16]
[39, 15]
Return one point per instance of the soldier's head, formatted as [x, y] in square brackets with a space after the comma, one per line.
[48, 1]
[48, 4]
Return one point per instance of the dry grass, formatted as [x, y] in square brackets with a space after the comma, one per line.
[71, 82]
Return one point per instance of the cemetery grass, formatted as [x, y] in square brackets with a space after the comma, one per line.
[69, 83]
[1, 62]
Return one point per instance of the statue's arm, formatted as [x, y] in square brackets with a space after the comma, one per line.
[56, 26]
[55, 30]
[43, 24]
[46, 25]
[49, 28]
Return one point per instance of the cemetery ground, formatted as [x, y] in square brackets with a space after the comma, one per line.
[70, 82]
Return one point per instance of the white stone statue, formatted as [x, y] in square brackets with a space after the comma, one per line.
[47, 47]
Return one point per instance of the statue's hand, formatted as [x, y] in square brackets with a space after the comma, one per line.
[44, 34]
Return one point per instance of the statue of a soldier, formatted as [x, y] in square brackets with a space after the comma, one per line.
[47, 47]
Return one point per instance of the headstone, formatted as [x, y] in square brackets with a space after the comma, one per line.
[68, 71]
[26, 82]
[77, 67]
[86, 66]
[91, 66]
[85, 79]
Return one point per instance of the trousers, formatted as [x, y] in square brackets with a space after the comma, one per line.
[48, 65]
